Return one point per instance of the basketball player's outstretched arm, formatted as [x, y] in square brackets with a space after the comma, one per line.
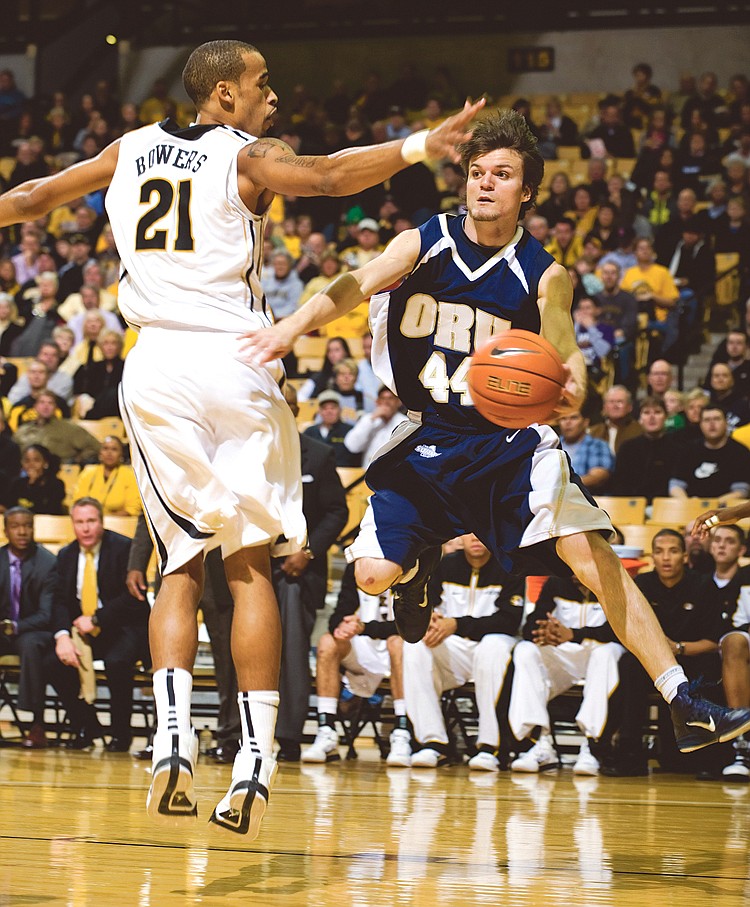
[270, 165]
[555, 298]
[719, 517]
[34, 198]
[339, 297]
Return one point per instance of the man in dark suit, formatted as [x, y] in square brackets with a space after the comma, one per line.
[301, 581]
[92, 603]
[27, 583]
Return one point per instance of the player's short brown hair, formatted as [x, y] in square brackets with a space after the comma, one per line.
[507, 129]
[213, 62]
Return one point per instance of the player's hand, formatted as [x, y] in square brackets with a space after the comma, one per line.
[572, 396]
[295, 564]
[539, 635]
[349, 627]
[439, 630]
[136, 583]
[66, 651]
[442, 140]
[83, 624]
[710, 519]
[557, 633]
[266, 344]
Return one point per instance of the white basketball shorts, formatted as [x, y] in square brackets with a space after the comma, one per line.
[214, 447]
[367, 663]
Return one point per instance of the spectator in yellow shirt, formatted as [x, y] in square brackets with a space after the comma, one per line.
[111, 481]
[653, 287]
[651, 283]
[565, 247]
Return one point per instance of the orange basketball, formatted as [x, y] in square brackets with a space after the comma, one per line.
[516, 379]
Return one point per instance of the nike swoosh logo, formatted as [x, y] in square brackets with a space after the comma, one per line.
[509, 438]
[511, 351]
[711, 726]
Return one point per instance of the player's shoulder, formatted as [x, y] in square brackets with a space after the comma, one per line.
[533, 253]
[437, 226]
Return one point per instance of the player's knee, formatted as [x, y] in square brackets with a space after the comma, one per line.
[734, 648]
[395, 646]
[327, 648]
[374, 576]
[524, 654]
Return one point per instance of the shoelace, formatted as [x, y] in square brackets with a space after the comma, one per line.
[697, 686]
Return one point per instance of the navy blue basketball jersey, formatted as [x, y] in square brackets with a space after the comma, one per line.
[458, 296]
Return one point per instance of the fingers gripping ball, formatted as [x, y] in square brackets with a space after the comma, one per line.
[516, 379]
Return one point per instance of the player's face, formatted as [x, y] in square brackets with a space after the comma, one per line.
[669, 558]
[726, 548]
[494, 187]
[473, 546]
[255, 105]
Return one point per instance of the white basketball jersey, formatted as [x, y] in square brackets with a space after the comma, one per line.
[191, 251]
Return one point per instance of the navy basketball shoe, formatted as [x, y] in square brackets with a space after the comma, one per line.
[410, 608]
[698, 722]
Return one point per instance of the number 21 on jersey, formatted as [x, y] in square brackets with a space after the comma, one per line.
[147, 236]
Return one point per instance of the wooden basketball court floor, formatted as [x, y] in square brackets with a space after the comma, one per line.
[73, 832]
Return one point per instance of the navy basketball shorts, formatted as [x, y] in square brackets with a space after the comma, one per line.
[514, 489]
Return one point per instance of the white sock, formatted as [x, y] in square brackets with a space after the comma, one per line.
[172, 690]
[258, 710]
[327, 705]
[399, 707]
[668, 682]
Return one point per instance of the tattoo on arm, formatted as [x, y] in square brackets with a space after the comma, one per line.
[263, 147]
[296, 161]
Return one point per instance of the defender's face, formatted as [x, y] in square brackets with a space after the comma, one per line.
[494, 186]
[726, 548]
[669, 558]
[255, 104]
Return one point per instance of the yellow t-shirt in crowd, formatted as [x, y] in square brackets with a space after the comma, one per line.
[353, 324]
[653, 280]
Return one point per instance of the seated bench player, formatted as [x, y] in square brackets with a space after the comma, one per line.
[731, 589]
[692, 624]
[361, 639]
[567, 639]
[471, 636]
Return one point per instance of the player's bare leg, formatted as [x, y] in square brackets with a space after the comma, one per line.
[735, 669]
[410, 608]
[173, 636]
[631, 617]
[172, 627]
[256, 650]
[697, 722]
[331, 652]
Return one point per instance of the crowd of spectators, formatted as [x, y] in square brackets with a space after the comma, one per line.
[665, 186]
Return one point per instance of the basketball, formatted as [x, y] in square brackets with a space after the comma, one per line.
[516, 379]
